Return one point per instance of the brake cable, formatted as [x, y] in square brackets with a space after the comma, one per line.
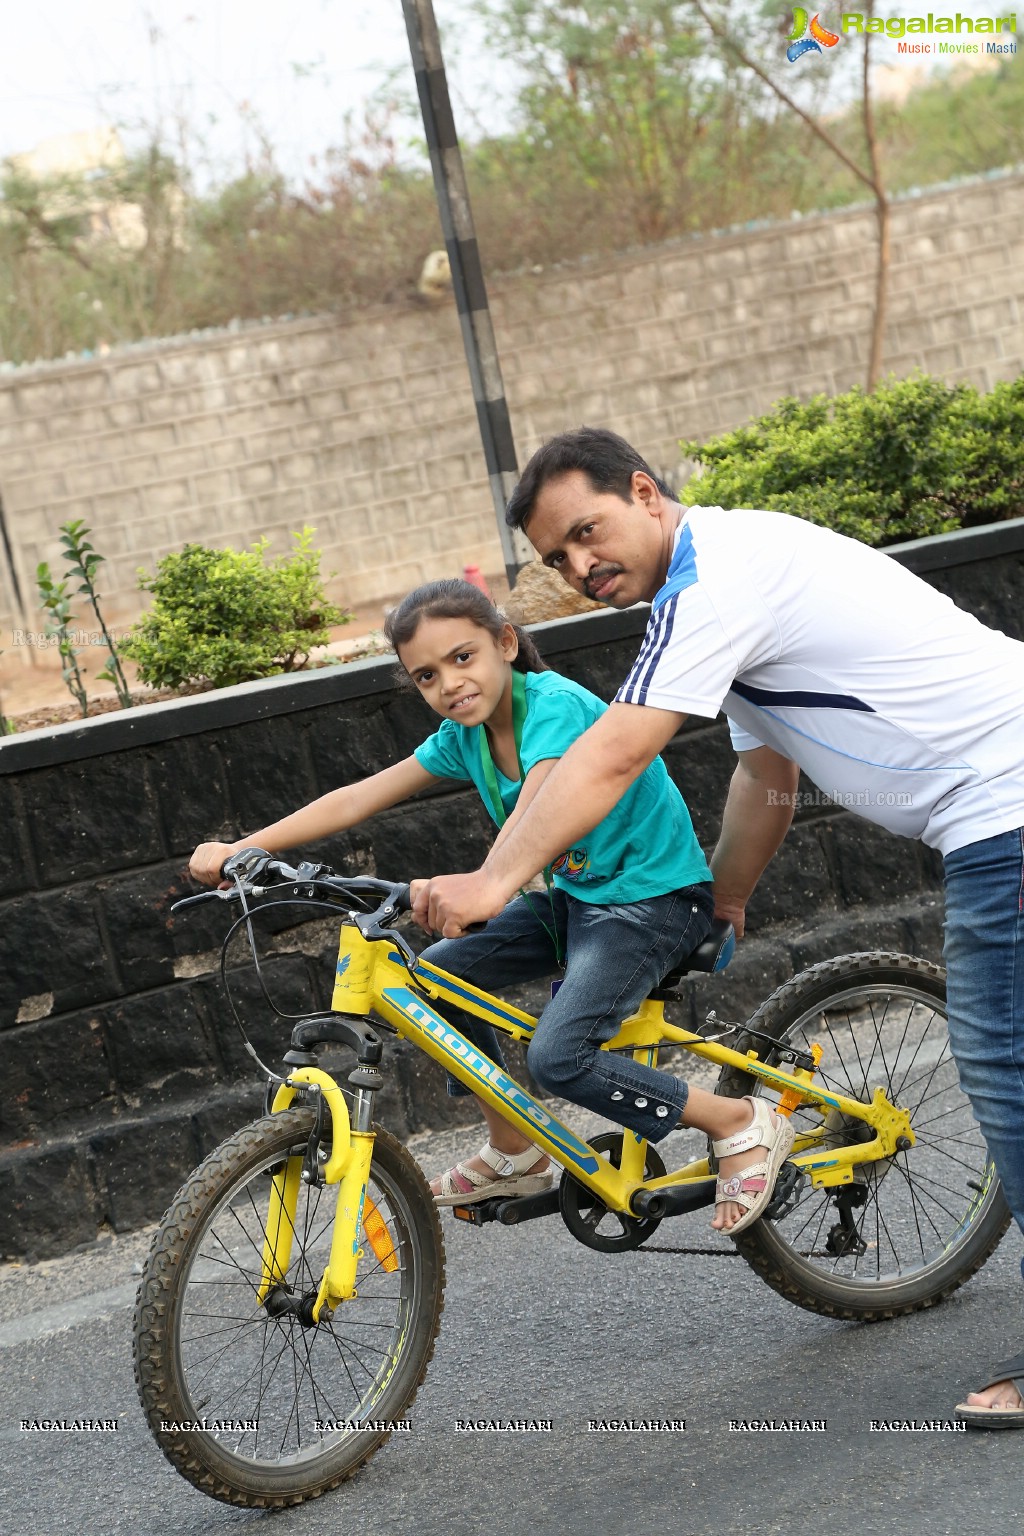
[245, 918]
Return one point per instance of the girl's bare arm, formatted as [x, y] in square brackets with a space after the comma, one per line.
[333, 812]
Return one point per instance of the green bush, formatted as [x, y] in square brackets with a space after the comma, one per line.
[916, 457]
[224, 616]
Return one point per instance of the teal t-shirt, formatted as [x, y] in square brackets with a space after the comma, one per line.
[644, 847]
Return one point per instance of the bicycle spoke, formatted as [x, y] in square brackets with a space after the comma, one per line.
[332, 1414]
[940, 1149]
[914, 1205]
[236, 1363]
[341, 1355]
[915, 1198]
[924, 1178]
[878, 1026]
[943, 1060]
[935, 1214]
[954, 1109]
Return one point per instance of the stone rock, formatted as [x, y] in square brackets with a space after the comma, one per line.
[447, 833]
[288, 981]
[107, 818]
[189, 780]
[47, 1202]
[219, 1113]
[268, 772]
[795, 888]
[53, 942]
[159, 1047]
[873, 866]
[539, 595]
[139, 1164]
[77, 1081]
[16, 873]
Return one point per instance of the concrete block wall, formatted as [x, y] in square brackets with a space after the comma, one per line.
[363, 425]
[120, 1062]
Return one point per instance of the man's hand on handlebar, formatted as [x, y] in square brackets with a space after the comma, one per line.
[452, 904]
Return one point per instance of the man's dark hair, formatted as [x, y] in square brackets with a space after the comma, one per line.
[606, 459]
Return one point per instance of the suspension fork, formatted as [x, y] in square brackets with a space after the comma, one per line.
[348, 1166]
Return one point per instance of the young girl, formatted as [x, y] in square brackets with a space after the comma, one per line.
[618, 912]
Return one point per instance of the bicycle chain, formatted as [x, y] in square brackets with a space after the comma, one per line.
[713, 1253]
[726, 1253]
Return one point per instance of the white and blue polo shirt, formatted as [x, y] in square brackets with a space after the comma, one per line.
[895, 703]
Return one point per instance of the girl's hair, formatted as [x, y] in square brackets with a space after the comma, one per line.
[455, 599]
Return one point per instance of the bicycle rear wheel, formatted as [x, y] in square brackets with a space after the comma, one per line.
[266, 1411]
[911, 1228]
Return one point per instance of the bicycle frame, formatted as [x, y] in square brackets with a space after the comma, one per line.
[372, 976]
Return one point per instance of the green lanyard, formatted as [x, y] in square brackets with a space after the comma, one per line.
[500, 816]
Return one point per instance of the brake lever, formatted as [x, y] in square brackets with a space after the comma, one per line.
[371, 929]
[190, 901]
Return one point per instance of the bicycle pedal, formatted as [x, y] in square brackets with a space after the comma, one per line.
[508, 1210]
[473, 1214]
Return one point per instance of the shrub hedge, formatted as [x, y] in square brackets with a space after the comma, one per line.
[916, 457]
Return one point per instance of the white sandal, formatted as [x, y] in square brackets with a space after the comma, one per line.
[753, 1187]
[463, 1185]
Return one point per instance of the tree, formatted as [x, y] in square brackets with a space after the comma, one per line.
[870, 174]
[619, 86]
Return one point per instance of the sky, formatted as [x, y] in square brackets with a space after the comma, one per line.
[214, 63]
[229, 70]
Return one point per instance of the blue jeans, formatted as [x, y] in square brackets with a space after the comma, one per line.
[984, 954]
[615, 956]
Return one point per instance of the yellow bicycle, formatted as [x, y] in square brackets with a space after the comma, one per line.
[289, 1306]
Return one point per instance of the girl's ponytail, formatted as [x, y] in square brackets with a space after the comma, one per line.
[528, 658]
[453, 598]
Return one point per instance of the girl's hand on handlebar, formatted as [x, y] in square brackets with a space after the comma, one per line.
[207, 862]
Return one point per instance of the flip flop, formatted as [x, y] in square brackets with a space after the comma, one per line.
[997, 1418]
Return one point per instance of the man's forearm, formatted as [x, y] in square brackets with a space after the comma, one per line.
[575, 796]
[529, 792]
[579, 792]
[754, 825]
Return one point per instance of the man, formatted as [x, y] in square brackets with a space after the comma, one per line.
[825, 655]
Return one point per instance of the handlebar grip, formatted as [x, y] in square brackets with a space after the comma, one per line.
[245, 862]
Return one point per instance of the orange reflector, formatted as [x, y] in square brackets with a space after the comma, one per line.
[378, 1237]
[792, 1098]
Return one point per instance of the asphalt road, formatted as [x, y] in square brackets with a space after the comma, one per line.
[536, 1326]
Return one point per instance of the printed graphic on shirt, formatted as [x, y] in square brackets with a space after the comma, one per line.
[571, 865]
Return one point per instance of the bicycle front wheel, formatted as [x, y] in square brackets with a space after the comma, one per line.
[912, 1228]
[262, 1410]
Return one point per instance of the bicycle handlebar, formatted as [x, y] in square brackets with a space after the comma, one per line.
[249, 864]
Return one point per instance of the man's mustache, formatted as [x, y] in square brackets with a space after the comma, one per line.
[600, 575]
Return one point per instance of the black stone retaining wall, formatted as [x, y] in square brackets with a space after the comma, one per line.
[119, 1063]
